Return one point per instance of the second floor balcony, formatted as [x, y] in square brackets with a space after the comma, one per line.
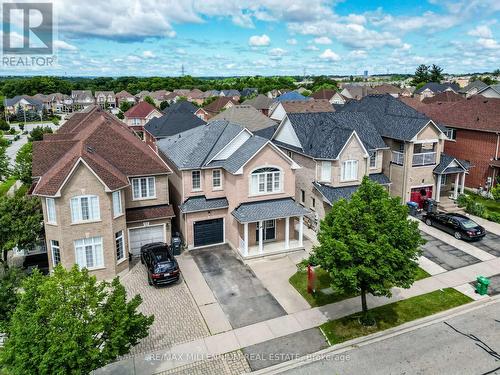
[398, 157]
[424, 158]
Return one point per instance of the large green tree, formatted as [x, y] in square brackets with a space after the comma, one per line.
[4, 163]
[436, 73]
[24, 162]
[368, 244]
[421, 75]
[37, 133]
[10, 280]
[69, 323]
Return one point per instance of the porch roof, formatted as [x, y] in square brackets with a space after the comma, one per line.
[201, 203]
[449, 164]
[161, 211]
[268, 210]
[495, 163]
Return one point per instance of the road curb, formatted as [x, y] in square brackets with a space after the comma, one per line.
[379, 336]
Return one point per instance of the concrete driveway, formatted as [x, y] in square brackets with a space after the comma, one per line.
[445, 255]
[490, 243]
[241, 295]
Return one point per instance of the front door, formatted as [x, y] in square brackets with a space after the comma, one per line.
[268, 229]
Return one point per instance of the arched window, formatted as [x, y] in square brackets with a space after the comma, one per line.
[266, 180]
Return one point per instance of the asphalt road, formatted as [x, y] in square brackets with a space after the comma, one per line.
[466, 344]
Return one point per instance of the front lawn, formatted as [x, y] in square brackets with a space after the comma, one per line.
[490, 205]
[324, 295]
[393, 314]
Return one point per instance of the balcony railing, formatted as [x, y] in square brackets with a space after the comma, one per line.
[424, 158]
[398, 157]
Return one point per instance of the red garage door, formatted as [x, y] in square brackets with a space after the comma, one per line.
[418, 195]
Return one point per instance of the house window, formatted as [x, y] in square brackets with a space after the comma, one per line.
[289, 153]
[85, 208]
[196, 180]
[326, 171]
[349, 170]
[117, 203]
[143, 188]
[302, 196]
[373, 159]
[266, 181]
[120, 253]
[88, 252]
[216, 178]
[56, 252]
[51, 210]
[451, 133]
[136, 121]
[313, 202]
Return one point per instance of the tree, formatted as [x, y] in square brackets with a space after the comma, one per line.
[120, 115]
[150, 100]
[21, 222]
[4, 125]
[70, 323]
[125, 106]
[436, 73]
[421, 75]
[10, 280]
[164, 104]
[24, 161]
[368, 244]
[4, 163]
[37, 133]
[496, 72]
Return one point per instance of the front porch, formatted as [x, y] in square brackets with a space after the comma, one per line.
[450, 177]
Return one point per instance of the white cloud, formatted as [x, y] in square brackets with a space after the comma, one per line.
[488, 43]
[277, 53]
[62, 45]
[358, 54]
[312, 48]
[292, 41]
[148, 54]
[322, 40]
[259, 40]
[329, 55]
[481, 31]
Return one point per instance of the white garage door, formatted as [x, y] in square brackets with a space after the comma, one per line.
[145, 235]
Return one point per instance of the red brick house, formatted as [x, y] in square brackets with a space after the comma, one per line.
[474, 135]
[137, 116]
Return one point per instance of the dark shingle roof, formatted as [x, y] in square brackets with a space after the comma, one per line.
[171, 123]
[149, 213]
[477, 84]
[240, 156]
[259, 102]
[291, 95]
[438, 87]
[444, 165]
[246, 116]
[268, 210]
[201, 203]
[391, 117]
[181, 105]
[323, 135]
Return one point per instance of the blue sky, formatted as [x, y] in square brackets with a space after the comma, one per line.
[226, 37]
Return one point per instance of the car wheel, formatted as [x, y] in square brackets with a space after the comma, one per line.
[142, 261]
[428, 222]
[458, 235]
[150, 282]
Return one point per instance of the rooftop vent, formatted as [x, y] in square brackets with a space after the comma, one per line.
[90, 149]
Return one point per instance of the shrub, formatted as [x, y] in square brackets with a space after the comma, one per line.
[475, 208]
[462, 200]
[495, 192]
[4, 125]
[494, 216]
[12, 131]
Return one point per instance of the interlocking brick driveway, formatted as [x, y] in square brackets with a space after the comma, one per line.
[445, 255]
[177, 318]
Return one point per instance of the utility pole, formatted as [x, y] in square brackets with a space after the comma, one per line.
[182, 70]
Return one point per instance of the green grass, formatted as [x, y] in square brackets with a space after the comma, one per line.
[23, 189]
[6, 185]
[323, 281]
[394, 314]
[490, 205]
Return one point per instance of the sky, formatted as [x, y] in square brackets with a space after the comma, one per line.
[271, 37]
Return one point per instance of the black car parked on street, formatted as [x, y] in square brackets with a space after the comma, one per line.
[160, 263]
[457, 225]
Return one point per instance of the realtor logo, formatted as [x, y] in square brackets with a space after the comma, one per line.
[27, 28]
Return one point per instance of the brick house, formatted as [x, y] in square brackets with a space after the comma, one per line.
[279, 112]
[218, 105]
[230, 186]
[104, 193]
[137, 116]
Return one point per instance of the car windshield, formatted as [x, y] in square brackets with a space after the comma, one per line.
[162, 255]
[467, 223]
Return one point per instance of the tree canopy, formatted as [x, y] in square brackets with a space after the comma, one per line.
[68, 323]
[24, 162]
[368, 244]
[37, 133]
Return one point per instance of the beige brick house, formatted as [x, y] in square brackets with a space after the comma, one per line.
[230, 186]
[104, 193]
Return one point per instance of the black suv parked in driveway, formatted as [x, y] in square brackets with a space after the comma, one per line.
[160, 263]
[457, 225]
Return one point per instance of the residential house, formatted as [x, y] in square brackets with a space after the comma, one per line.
[290, 95]
[335, 150]
[182, 105]
[492, 91]
[473, 130]
[443, 97]
[173, 97]
[23, 103]
[248, 117]
[124, 96]
[60, 103]
[300, 106]
[137, 116]
[141, 95]
[230, 186]
[159, 96]
[181, 92]
[104, 193]
[233, 94]
[210, 93]
[105, 99]
[407, 91]
[416, 145]
[82, 99]
[210, 110]
[196, 96]
[261, 103]
[386, 88]
[356, 92]
[433, 88]
[171, 123]
[472, 88]
[249, 91]
[324, 94]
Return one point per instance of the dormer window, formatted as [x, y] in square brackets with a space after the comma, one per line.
[266, 181]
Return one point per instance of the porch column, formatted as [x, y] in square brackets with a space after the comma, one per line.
[245, 238]
[301, 231]
[462, 185]
[261, 241]
[287, 233]
[455, 188]
[438, 188]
